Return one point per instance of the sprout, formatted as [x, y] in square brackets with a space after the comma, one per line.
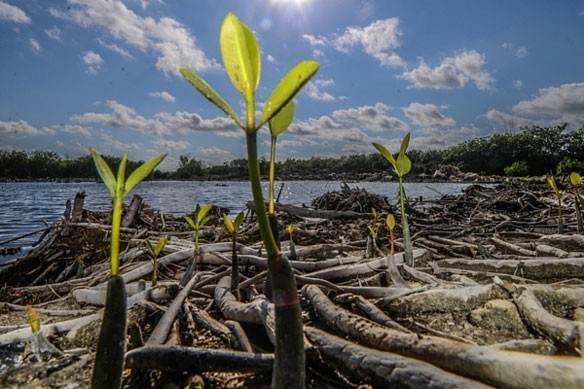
[154, 253]
[196, 223]
[552, 183]
[232, 227]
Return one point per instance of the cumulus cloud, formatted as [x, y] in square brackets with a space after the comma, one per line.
[115, 48]
[161, 124]
[22, 128]
[173, 145]
[502, 121]
[214, 155]
[433, 138]
[518, 52]
[171, 40]
[164, 95]
[35, 45]
[77, 130]
[377, 40]
[565, 102]
[373, 118]
[93, 62]
[314, 90]
[427, 115]
[453, 72]
[53, 33]
[12, 13]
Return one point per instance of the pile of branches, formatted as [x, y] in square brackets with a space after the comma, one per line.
[351, 199]
[484, 307]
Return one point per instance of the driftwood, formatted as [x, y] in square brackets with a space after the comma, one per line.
[385, 369]
[493, 367]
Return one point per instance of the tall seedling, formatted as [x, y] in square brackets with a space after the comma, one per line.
[196, 223]
[154, 253]
[552, 183]
[401, 166]
[232, 227]
[241, 58]
[576, 180]
[111, 345]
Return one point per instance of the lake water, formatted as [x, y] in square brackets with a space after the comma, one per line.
[26, 207]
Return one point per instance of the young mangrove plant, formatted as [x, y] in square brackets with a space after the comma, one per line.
[232, 227]
[390, 221]
[293, 256]
[552, 183]
[111, 345]
[154, 253]
[401, 166]
[196, 223]
[242, 61]
[576, 180]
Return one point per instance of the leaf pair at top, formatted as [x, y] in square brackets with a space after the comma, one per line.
[200, 218]
[233, 226]
[402, 164]
[155, 251]
[119, 187]
[241, 57]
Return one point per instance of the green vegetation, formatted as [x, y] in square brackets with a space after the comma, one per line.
[197, 222]
[552, 184]
[232, 227]
[532, 151]
[109, 358]
[401, 166]
[154, 253]
[575, 181]
[242, 61]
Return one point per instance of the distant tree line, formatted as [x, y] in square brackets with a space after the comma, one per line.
[532, 151]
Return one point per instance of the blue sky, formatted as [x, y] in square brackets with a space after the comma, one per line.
[80, 73]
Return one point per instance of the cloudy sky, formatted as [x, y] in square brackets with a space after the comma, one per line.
[80, 73]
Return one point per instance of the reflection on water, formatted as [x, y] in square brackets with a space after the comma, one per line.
[26, 207]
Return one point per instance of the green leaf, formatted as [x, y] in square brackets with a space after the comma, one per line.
[160, 245]
[228, 223]
[210, 94]
[201, 215]
[191, 222]
[287, 88]
[552, 183]
[575, 179]
[385, 152]
[282, 120]
[142, 172]
[238, 220]
[104, 171]
[403, 165]
[241, 56]
[150, 248]
[121, 178]
[405, 143]
[390, 221]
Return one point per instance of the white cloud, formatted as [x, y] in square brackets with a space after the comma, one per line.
[505, 122]
[22, 128]
[13, 14]
[439, 138]
[314, 90]
[168, 38]
[115, 48]
[270, 58]
[35, 45]
[565, 102]
[427, 115]
[214, 155]
[93, 62]
[377, 40]
[519, 52]
[173, 145]
[161, 124]
[163, 95]
[77, 130]
[372, 118]
[453, 72]
[54, 33]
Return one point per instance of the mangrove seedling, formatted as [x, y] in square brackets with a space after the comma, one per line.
[390, 221]
[576, 180]
[373, 234]
[197, 222]
[401, 166]
[242, 60]
[232, 227]
[154, 253]
[111, 345]
[293, 256]
[552, 183]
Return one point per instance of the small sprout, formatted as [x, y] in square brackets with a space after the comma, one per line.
[576, 180]
[232, 227]
[154, 253]
[196, 223]
[293, 255]
[552, 183]
[290, 230]
[473, 252]
[33, 319]
[390, 221]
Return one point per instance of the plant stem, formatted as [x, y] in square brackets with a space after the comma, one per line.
[115, 237]
[289, 364]
[272, 178]
[408, 254]
[234, 267]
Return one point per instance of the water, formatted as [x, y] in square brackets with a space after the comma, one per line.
[26, 207]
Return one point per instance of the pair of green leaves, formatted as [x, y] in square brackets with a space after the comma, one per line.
[233, 226]
[155, 251]
[200, 218]
[241, 57]
[119, 187]
[402, 164]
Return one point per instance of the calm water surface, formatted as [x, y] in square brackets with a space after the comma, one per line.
[26, 207]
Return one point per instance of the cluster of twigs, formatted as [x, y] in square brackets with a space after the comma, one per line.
[493, 300]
